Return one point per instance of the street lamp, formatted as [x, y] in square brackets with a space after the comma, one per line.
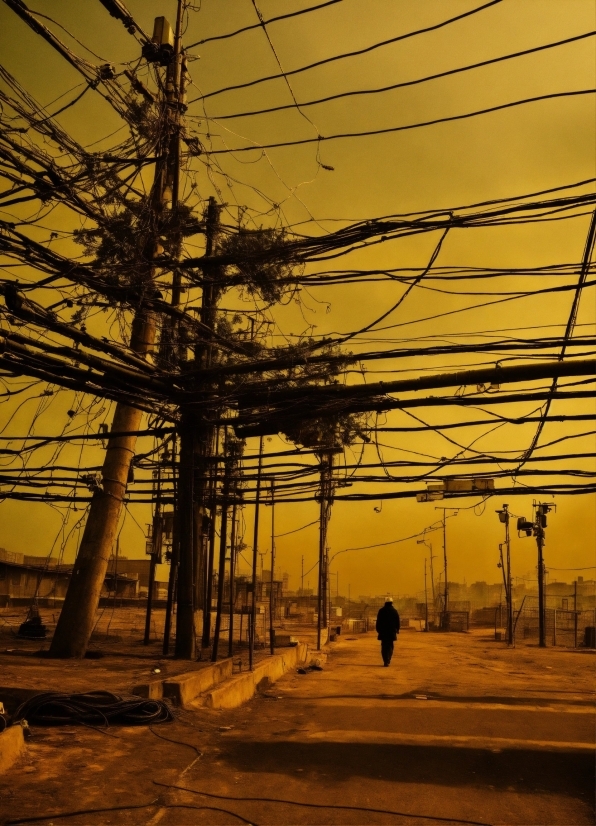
[445, 620]
[422, 542]
[429, 545]
[506, 568]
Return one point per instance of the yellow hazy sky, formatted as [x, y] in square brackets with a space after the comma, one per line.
[523, 149]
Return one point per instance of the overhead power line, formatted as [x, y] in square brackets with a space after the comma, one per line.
[355, 53]
[406, 83]
[582, 282]
[258, 25]
[404, 128]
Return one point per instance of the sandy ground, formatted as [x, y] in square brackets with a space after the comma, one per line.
[458, 730]
[122, 660]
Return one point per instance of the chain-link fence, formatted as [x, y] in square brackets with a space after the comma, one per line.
[563, 627]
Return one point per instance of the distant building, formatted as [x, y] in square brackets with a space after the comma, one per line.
[24, 577]
[140, 568]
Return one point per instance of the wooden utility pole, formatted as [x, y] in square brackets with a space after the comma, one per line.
[77, 617]
[255, 551]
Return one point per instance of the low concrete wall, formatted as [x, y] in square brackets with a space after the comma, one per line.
[242, 687]
[185, 688]
[12, 745]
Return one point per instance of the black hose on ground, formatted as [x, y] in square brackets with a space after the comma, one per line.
[94, 708]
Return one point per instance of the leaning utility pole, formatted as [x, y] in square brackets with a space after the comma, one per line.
[77, 617]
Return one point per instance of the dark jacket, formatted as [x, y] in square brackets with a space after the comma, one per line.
[387, 622]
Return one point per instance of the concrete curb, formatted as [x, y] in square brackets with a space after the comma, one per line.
[12, 745]
[185, 688]
[216, 687]
[242, 687]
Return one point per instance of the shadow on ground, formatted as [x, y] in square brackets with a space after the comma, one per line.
[521, 770]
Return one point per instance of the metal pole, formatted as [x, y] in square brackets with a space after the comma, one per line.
[185, 629]
[425, 599]
[206, 636]
[173, 562]
[575, 614]
[155, 555]
[445, 562]
[271, 599]
[328, 612]
[232, 573]
[255, 551]
[432, 573]
[321, 585]
[221, 575]
[509, 589]
[541, 600]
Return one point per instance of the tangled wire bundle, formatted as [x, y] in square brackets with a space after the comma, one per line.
[95, 708]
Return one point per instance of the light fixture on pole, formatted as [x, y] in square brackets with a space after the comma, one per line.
[505, 565]
[537, 528]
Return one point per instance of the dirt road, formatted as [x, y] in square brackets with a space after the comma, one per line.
[457, 730]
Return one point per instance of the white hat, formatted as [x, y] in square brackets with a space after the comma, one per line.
[388, 599]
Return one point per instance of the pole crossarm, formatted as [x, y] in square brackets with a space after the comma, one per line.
[270, 412]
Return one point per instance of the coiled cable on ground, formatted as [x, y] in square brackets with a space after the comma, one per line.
[95, 708]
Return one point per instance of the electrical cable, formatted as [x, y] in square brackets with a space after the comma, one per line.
[369, 809]
[77, 812]
[587, 257]
[405, 127]
[355, 53]
[407, 83]
[267, 22]
[91, 708]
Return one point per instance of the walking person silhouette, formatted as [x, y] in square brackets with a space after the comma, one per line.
[387, 629]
